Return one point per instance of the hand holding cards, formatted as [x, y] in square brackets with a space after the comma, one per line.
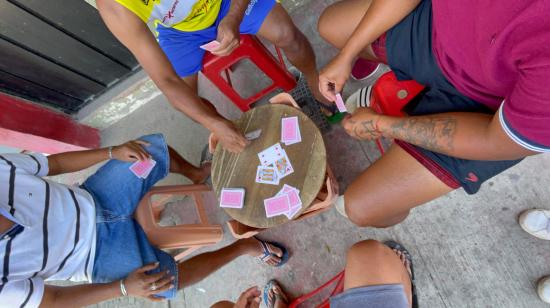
[143, 168]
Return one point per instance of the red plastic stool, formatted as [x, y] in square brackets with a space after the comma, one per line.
[337, 280]
[253, 49]
[389, 96]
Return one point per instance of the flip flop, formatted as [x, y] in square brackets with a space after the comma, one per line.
[360, 98]
[268, 253]
[206, 156]
[268, 287]
[394, 245]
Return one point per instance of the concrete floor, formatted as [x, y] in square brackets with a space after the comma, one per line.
[468, 250]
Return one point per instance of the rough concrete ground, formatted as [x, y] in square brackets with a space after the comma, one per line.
[468, 250]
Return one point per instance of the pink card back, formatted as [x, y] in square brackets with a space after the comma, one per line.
[277, 205]
[290, 130]
[231, 198]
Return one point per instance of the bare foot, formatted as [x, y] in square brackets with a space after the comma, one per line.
[276, 297]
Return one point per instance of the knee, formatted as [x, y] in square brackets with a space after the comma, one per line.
[359, 212]
[223, 304]
[326, 27]
[287, 36]
[365, 213]
[371, 248]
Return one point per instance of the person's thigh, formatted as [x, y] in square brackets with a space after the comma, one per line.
[117, 191]
[389, 188]
[339, 20]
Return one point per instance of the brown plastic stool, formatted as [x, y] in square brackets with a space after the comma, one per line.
[190, 236]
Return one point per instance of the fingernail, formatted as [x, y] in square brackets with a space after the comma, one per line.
[172, 278]
[171, 286]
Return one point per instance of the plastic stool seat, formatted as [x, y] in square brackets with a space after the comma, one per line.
[250, 48]
[189, 236]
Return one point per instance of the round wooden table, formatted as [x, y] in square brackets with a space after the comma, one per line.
[308, 158]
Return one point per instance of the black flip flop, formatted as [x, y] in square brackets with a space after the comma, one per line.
[395, 245]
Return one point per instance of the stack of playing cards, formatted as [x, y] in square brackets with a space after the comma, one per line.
[274, 165]
[286, 202]
[142, 168]
[232, 198]
[290, 131]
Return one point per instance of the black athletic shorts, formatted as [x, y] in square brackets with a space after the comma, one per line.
[409, 54]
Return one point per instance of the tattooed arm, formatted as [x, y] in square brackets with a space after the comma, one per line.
[463, 135]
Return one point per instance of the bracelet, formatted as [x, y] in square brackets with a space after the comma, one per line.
[123, 288]
[110, 149]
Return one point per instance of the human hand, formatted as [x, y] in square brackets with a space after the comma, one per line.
[140, 284]
[362, 124]
[249, 299]
[231, 139]
[131, 151]
[333, 77]
[228, 36]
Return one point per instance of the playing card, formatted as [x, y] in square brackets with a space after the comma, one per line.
[232, 198]
[267, 175]
[283, 166]
[210, 46]
[293, 211]
[294, 200]
[271, 154]
[340, 103]
[289, 129]
[142, 168]
[277, 205]
[253, 134]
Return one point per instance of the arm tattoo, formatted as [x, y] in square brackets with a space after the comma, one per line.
[432, 133]
[366, 130]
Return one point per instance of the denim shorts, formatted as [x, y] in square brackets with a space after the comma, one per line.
[182, 47]
[379, 296]
[410, 56]
[122, 245]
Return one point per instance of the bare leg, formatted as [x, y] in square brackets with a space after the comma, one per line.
[179, 165]
[193, 82]
[279, 29]
[384, 194]
[339, 20]
[201, 266]
[373, 263]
